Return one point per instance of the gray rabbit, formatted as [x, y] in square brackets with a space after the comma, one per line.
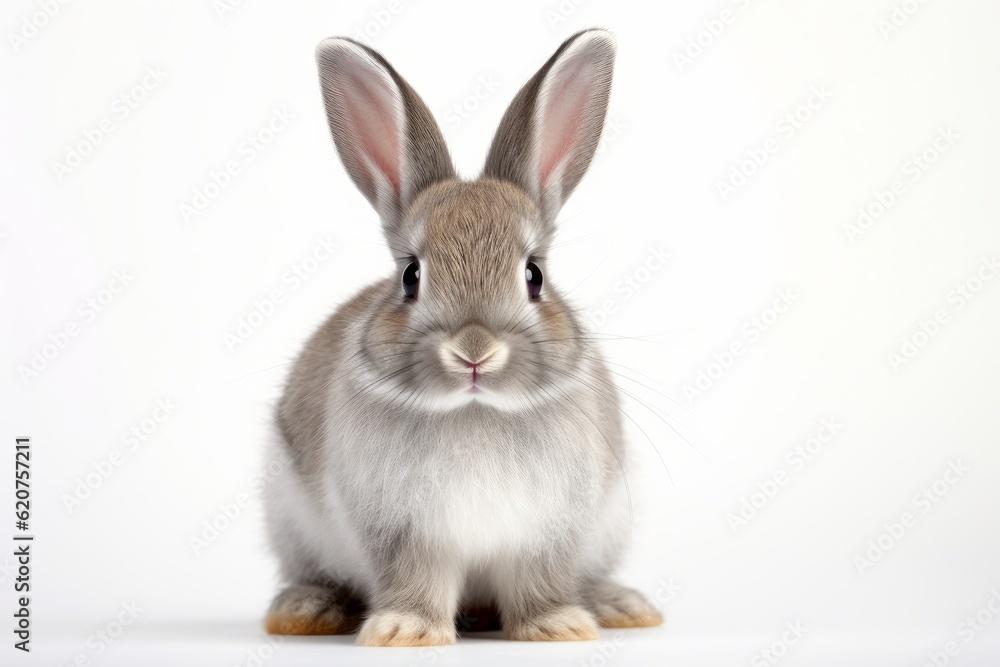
[455, 440]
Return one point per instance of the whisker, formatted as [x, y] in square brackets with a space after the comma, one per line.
[614, 453]
[588, 384]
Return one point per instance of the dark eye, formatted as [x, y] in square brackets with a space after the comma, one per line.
[411, 279]
[533, 275]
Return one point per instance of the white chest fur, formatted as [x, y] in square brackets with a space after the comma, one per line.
[476, 481]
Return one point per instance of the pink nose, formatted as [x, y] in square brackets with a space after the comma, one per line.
[469, 364]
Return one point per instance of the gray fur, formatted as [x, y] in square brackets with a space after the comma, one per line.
[409, 493]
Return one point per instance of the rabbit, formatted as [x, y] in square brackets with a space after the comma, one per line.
[454, 441]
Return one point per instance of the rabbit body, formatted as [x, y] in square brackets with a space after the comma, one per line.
[453, 443]
[479, 487]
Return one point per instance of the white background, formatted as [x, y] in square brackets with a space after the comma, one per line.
[676, 130]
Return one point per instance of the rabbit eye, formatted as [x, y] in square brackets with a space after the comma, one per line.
[411, 279]
[533, 275]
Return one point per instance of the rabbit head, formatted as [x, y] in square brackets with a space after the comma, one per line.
[469, 315]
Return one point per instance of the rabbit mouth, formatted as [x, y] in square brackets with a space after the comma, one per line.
[473, 354]
[475, 387]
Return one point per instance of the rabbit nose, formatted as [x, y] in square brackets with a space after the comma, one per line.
[474, 348]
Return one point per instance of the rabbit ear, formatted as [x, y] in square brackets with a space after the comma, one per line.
[550, 132]
[385, 135]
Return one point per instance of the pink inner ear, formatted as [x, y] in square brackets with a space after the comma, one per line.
[562, 117]
[372, 117]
